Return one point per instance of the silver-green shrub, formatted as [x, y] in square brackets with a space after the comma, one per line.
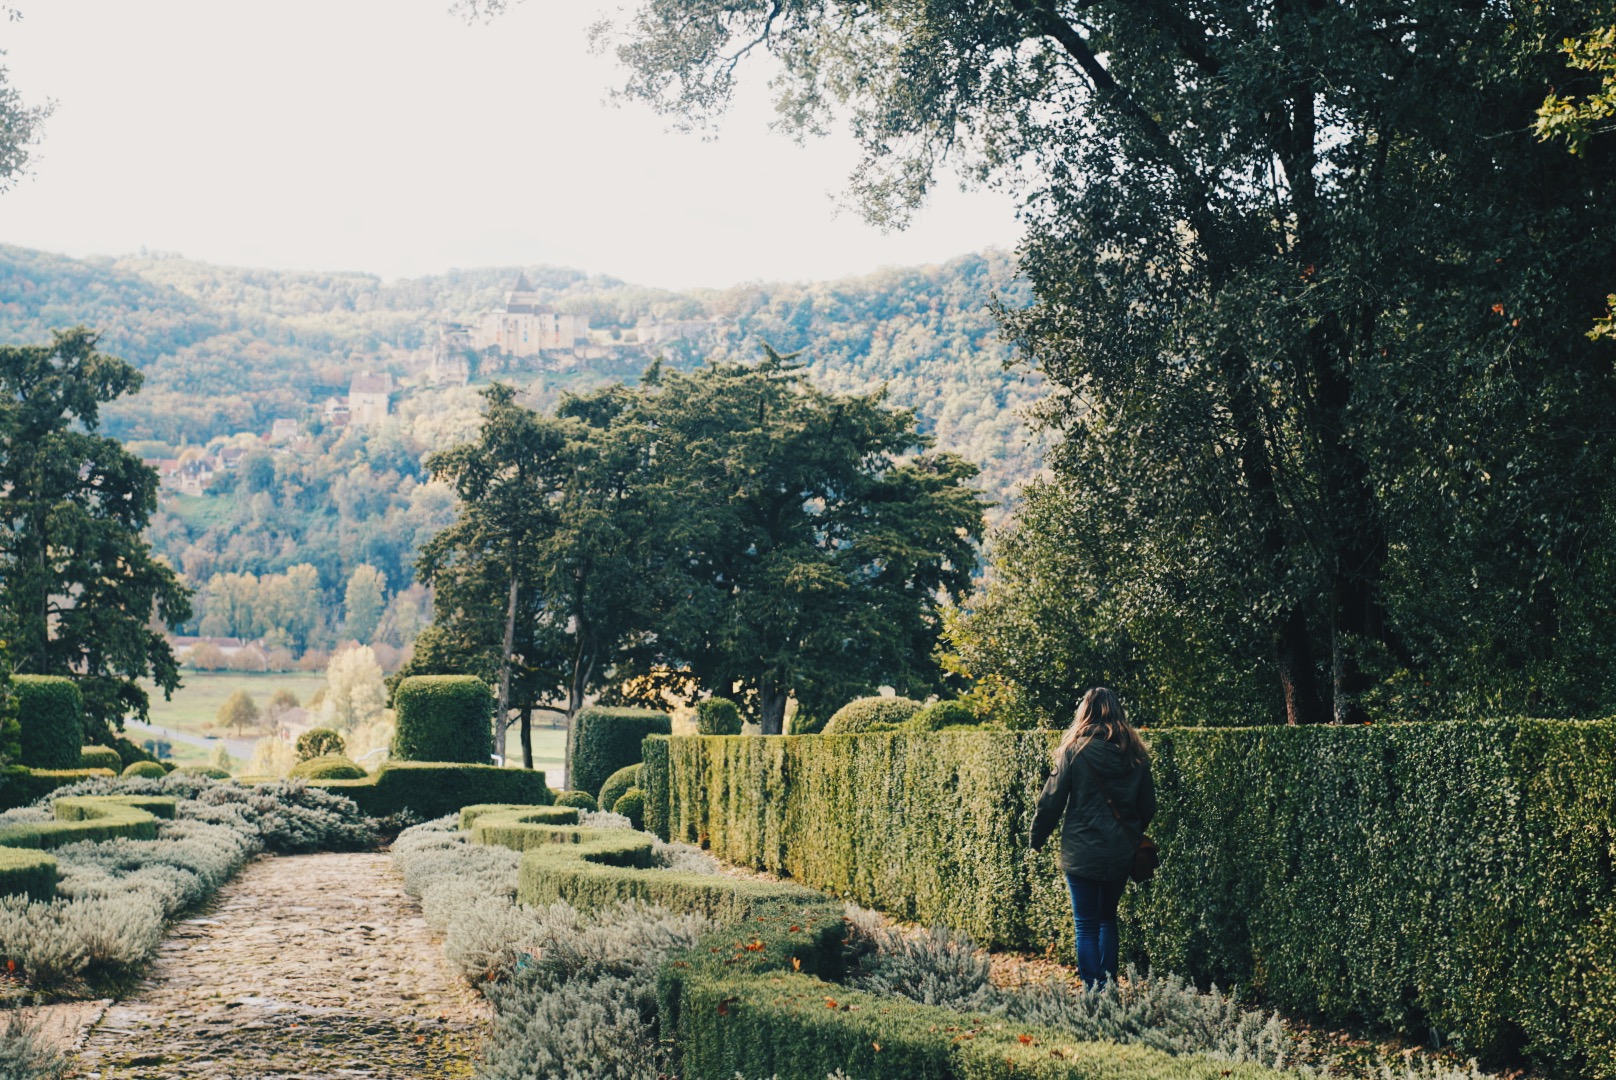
[24, 1053]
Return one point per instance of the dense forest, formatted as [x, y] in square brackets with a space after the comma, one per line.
[226, 352]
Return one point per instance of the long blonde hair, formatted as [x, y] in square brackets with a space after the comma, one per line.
[1100, 717]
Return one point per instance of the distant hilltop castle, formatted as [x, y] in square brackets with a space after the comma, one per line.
[526, 327]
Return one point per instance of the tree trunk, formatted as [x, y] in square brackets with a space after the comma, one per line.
[527, 736]
[583, 669]
[502, 713]
[772, 703]
[1293, 653]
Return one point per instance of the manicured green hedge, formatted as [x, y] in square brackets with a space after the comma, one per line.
[871, 714]
[517, 827]
[443, 718]
[20, 786]
[1455, 876]
[433, 789]
[327, 767]
[100, 757]
[718, 716]
[605, 740]
[31, 873]
[616, 784]
[51, 712]
[88, 818]
[149, 770]
[632, 806]
[581, 800]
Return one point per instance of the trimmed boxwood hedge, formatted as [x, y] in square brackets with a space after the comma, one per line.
[90, 818]
[515, 826]
[718, 716]
[871, 714]
[605, 740]
[100, 757]
[31, 873]
[150, 770]
[751, 998]
[327, 767]
[443, 718]
[51, 712]
[581, 800]
[20, 786]
[1446, 876]
[433, 788]
[632, 806]
[615, 785]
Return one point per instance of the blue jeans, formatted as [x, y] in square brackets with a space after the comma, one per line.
[1094, 913]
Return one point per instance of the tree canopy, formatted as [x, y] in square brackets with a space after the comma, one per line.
[1311, 296]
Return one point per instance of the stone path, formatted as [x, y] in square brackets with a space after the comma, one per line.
[307, 966]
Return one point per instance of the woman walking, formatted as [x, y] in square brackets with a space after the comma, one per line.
[1101, 784]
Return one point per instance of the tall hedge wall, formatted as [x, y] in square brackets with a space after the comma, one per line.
[443, 718]
[432, 789]
[51, 712]
[605, 740]
[1446, 876]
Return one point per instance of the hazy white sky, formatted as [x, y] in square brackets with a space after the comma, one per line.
[391, 137]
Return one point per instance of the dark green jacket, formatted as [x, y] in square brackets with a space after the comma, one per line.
[1094, 843]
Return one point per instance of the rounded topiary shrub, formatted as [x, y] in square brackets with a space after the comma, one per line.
[212, 772]
[605, 740]
[616, 784]
[100, 757]
[318, 742]
[51, 712]
[631, 804]
[443, 718]
[871, 714]
[328, 767]
[718, 716]
[151, 770]
[580, 800]
[944, 714]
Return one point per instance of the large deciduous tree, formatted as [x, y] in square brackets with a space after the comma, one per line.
[79, 590]
[1311, 298]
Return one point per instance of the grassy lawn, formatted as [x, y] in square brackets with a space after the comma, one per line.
[197, 702]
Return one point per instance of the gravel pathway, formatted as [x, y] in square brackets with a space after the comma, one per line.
[307, 966]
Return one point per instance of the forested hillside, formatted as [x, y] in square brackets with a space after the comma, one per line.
[226, 352]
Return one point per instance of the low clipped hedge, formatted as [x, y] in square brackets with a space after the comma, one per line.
[51, 712]
[29, 873]
[1454, 877]
[21, 786]
[91, 818]
[871, 714]
[752, 998]
[100, 757]
[432, 789]
[443, 718]
[513, 826]
[580, 800]
[606, 740]
[327, 767]
[149, 770]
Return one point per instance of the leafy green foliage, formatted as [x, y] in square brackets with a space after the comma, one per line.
[146, 769]
[318, 742]
[51, 712]
[81, 584]
[617, 784]
[327, 767]
[442, 718]
[27, 873]
[606, 740]
[238, 711]
[718, 716]
[871, 714]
